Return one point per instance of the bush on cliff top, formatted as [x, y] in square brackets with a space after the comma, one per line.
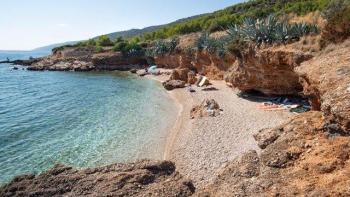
[104, 41]
[337, 15]
[236, 14]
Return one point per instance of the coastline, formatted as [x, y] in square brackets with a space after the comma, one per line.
[201, 147]
[182, 124]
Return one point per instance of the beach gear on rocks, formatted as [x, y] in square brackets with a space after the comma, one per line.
[202, 81]
[153, 70]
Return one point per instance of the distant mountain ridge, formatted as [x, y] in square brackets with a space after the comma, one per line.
[136, 32]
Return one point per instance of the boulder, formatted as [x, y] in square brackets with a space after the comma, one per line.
[208, 107]
[326, 81]
[191, 77]
[173, 84]
[270, 71]
[180, 74]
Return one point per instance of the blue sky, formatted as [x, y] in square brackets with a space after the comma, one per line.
[27, 24]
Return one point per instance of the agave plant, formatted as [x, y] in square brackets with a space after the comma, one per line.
[270, 30]
[162, 47]
[212, 45]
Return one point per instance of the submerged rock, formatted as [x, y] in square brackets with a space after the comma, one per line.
[144, 178]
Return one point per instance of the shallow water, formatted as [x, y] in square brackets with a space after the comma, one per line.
[79, 119]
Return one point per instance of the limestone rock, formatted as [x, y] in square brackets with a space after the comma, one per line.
[208, 107]
[300, 162]
[270, 71]
[117, 61]
[326, 81]
[180, 74]
[204, 63]
[173, 84]
[144, 178]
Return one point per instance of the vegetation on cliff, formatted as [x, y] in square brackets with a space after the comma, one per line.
[236, 14]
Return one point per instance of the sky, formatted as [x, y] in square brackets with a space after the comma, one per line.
[28, 24]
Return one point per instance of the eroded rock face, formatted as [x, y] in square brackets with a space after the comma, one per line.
[326, 81]
[184, 74]
[116, 61]
[210, 65]
[269, 71]
[144, 178]
[301, 160]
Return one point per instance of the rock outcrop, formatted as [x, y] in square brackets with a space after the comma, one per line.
[326, 81]
[144, 178]
[116, 61]
[86, 59]
[204, 63]
[184, 74]
[270, 71]
[298, 159]
[64, 65]
[173, 84]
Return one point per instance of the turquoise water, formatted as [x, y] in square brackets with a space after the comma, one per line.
[78, 119]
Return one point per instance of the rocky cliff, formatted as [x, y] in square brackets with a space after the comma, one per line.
[204, 63]
[269, 70]
[326, 81]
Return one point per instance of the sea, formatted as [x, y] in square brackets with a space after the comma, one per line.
[78, 119]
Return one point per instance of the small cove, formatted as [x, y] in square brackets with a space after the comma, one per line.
[79, 119]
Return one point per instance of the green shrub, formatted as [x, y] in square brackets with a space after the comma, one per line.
[212, 45]
[91, 42]
[121, 46]
[162, 47]
[104, 41]
[99, 49]
[337, 15]
[236, 47]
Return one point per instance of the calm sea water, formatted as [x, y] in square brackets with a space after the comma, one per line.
[78, 119]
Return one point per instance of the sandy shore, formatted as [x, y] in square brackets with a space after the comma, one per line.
[200, 147]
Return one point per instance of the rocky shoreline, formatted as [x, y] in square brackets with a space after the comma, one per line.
[306, 155]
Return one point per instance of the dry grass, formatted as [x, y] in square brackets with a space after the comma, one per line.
[313, 18]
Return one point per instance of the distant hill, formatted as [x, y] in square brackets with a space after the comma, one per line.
[137, 32]
[50, 47]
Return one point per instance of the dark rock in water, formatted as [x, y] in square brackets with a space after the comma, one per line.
[134, 71]
[173, 84]
[22, 62]
[15, 68]
[144, 178]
